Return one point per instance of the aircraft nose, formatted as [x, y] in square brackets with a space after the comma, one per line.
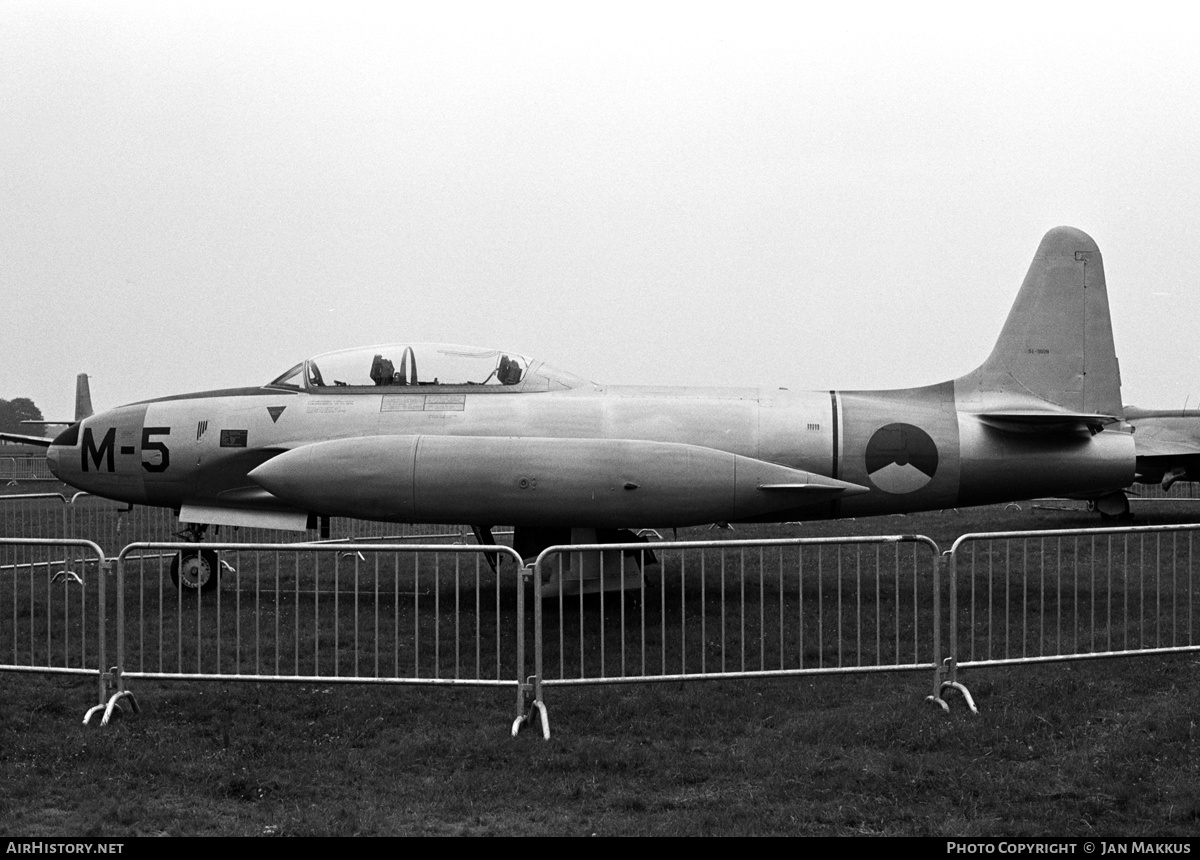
[68, 439]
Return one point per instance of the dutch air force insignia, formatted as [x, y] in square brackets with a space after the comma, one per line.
[275, 411]
[901, 458]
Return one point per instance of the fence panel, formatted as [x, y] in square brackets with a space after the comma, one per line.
[53, 608]
[1073, 593]
[24, 467]
[378, 613]
[34, 515]
[735, 609]
[1180, 491]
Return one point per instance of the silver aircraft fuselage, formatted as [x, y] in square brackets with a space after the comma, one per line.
[498, 462]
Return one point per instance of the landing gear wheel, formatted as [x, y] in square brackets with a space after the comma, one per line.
[1113, 508]
[195, 570]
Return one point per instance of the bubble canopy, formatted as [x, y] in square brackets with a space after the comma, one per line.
[402, 366]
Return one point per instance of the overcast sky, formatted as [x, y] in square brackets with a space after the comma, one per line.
[198, 195]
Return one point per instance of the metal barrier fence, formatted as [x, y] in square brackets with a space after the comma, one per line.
[386, 612]
[114, 525]
[34, 515]
[25, 468]
[1071, 594]
[428, 614]
[735, 609]
[53, 602]
[82, 516]
[1182, 490]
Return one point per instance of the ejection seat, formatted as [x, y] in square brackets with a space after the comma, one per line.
[509, 372]
[382, 370]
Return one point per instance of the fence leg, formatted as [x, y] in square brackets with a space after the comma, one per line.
[119, 696]
[946, 678]
[529, 694]
[104, 569]
[102, 682]
[530, 705]
[116, 699]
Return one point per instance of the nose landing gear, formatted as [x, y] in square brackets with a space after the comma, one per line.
[195, 569]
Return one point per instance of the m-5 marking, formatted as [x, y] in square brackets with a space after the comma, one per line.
[107, 444]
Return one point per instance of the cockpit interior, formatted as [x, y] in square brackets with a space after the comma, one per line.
[405, 366]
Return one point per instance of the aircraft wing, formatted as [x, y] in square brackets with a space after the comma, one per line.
[41, 441]
[247, 506]
[244, 517]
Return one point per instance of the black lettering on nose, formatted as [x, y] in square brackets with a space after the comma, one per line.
[105, 451]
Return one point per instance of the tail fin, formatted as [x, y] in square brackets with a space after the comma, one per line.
[83, 398]
[1055, 362]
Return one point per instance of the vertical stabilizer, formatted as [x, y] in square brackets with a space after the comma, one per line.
[1056, 349]
[83, 398]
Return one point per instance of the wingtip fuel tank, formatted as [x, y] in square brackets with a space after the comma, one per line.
[607, 483]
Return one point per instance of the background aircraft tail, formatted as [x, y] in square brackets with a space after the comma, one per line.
[83, 397]
[1055, 354]
[83, 409]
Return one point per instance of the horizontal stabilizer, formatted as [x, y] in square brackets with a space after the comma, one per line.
[41, 441]
[1024, 421]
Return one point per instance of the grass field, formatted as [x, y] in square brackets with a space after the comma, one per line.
[1106, 747]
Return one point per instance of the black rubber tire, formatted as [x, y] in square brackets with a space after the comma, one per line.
[196, 570]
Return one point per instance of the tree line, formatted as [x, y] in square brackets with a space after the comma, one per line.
[13, 412]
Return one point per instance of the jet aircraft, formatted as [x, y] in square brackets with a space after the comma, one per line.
[437, 433]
